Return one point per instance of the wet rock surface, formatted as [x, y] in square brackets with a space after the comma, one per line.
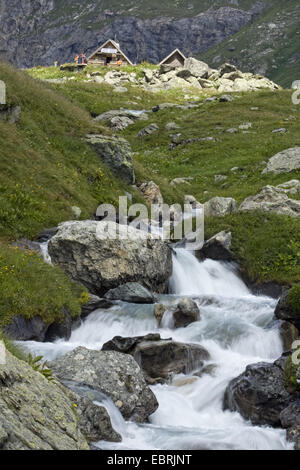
[112, 373]
[101, 263]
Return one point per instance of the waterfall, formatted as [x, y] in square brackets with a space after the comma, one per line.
[233, 327]
[208, 278]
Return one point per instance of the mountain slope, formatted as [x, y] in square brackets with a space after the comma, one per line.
[269, 46]
[41, 31]
[259, 36]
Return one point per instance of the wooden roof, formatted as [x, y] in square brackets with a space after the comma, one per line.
[170, 55]
[116, 46]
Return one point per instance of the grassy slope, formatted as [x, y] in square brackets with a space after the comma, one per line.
[259, 44]
[267, 246]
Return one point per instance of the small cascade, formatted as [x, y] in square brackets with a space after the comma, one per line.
[208, 278]
[234, 327]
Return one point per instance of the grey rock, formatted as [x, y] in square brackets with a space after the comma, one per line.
[226, 98]
[217, 248]
[127, 345]
[272, 199]
[259, 394]
[289, 333]
[227, 68]
[46, 234]
[219, 206]
[93, 304]
[151, 193]
[293, 435]
[281, 130]
[290, 416]
[35, 413]
[148, 130]
[161, 359]
[186, 312]
[220, 178]
[88, 255]
[131, 292]
[22, 329]
[159, 311]
[284, 162]
[11, 114]
[116, 153]
[284, 312]
[114, 374]
[196, 68]
[170, 126]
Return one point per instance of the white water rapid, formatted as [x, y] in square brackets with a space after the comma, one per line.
[233, 328]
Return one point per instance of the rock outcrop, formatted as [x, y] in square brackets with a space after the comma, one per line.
[114, 374]
[93, 254]
[120, 119]
[35, 413]
[217, 248]
[116, 153]
[272, 199]
[219, 206]
[284, 162]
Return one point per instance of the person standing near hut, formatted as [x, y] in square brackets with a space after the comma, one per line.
[83, 58]
[76, 59]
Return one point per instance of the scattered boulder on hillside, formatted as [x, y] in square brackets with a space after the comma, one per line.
[120, 119]
[116, 375]
[219, 206]
[217, 248]
[284, 162]
[131, 292]
[159, 359]
[105, 255]
[186, 312]
[272, 199]
[151, 193]
[116, 153]
[35, 413]
[10, 114]
[148, 130]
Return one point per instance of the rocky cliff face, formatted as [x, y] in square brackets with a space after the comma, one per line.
[34, 32]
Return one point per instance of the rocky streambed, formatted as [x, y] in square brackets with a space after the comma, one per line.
[169, 368]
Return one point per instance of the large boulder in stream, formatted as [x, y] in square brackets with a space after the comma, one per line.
[131, 292]
[159, 358]
[35, 413]
[259, 393]
[186, 312]
[116, 375]
[94, 254]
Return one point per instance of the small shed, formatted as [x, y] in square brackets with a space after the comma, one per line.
[175, 59]
[109, 54]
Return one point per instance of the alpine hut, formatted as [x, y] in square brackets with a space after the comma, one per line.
[109, 54]
[175, 59]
